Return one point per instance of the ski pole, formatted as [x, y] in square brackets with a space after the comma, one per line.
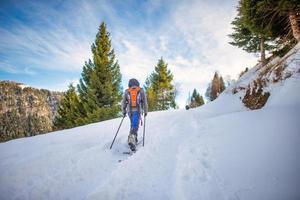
[144, 131]
[116, 133]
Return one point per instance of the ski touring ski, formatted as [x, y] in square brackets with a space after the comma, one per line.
[133, 150]
[130, 152]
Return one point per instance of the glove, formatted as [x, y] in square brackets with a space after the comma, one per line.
[124, 114]
[145, 114]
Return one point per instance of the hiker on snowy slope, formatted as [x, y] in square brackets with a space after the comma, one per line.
[134, 102]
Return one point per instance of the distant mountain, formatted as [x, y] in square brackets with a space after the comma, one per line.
[26, 111]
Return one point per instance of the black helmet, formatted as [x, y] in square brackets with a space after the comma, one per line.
[133, 82]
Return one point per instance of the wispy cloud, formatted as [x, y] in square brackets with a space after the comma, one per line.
[5, 67]
[49, 40]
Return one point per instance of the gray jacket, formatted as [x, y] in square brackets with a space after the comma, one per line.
[141, 99]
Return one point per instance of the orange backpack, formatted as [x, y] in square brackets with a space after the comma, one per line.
[133, 92]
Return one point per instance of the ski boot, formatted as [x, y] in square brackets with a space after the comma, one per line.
[132, 142]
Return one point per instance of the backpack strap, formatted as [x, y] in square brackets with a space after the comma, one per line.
[138, 98]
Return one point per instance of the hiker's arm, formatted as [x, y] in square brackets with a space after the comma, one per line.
[124, 103]
[145, 103]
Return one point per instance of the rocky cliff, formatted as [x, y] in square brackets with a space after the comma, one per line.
[255, 85]
[26, 111]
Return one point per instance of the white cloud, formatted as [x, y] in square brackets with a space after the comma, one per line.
[5, 67]
[135, 62]
[53, 40]
[57, 49]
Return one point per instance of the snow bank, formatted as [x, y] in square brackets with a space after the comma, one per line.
[285, 94]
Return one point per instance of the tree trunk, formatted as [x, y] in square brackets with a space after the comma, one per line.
[294, 24]
[262, 51]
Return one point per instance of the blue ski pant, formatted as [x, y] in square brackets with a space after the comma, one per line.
[134, 119]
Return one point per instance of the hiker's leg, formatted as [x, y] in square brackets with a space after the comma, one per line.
[135, 118]
[134, 121]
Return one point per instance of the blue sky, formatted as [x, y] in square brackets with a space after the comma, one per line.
[44, 43]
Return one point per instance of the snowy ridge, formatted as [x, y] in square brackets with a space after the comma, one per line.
[218, 151]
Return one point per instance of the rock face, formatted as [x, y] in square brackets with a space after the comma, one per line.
[26, 111]
[255, 85]
[256, 97]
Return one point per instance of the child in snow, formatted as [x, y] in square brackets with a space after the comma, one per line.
[134, 102]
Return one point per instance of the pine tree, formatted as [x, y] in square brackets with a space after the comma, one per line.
[216, 87]
[275, 18]
[68, 111]
[244, 38]
[84, 81]
[161, 92]
[196, 100]
[222, 85]
[100, 86]
[151, 97]
[82, 88]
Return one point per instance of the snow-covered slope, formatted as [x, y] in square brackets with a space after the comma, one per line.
[218, 151]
